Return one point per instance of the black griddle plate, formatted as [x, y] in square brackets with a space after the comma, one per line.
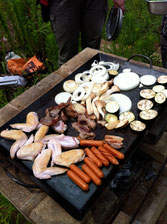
[61, 188]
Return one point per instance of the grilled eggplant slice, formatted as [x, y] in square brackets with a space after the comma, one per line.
[162, 79]
[160, 98]
[147, 93]
[145, 104]
[158, 88]
[137, 125]
[148, 114]
[128, 115]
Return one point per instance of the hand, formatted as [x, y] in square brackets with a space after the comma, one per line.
[119, 4]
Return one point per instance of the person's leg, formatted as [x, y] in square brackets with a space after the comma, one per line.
[92, 22]
[65, 20]
[66, 31]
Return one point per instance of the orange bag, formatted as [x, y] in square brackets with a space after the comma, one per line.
[33, 65]
[15, 66]
[21, 66]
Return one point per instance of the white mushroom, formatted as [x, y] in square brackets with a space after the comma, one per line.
[89, 106]
[110, 91]
[95, 111]
[100, 105]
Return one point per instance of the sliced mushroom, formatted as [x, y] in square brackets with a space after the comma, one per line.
[109, 92]
[100, 105]
[95, 111]
[89, 106]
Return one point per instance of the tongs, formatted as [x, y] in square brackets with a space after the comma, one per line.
[12, 81]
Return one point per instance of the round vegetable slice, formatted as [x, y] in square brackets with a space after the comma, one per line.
[110, 118]
[113, 72]
[62, 97]
[160, 98]
[147, 93]
[126, 80]
[125, 103]
[158, 88]
[112, 106]
[148, 114]
[82, 78]
[137, 125]
[78, 94]
[148, 80]
[165, 92]
[70, 86]
[145, 104]
[128, 115]
[162, 79]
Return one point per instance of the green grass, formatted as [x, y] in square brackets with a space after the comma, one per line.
[9, 214]
[27, 35]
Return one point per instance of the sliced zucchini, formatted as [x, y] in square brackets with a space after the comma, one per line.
[127, 116]
[148, 114]
[165, 92]
[112, 106]
[145, 104]
[110, 118]
[160, 98]
[137, 125]
[158, 88]
[113, 72]
[162, 79]
[147, 93]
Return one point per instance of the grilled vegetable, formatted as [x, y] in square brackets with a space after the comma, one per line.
[147, 93]
[145, 104]
[112, 106]
[148, 80]
[62, 97]
[112, 125]
[158, 88]
[148, 114]
[122, 124]
[160, 98]
[137, 125]
[111, 118]
[113, 72]
[70, 86]
[162, 79]
[127, 116]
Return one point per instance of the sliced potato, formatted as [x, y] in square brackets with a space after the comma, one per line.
[162, 79]
[145, 104]
[137, 125]
[158, 88]
[112, 106]
[147, 93]
[148, 114]
[112, 125]
[160, 98]
[127, 116]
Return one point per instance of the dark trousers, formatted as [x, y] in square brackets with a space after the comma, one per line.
[70, 18]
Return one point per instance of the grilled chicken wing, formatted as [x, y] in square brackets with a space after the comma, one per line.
[30, 151]
[40, 169]
[55, 146]
[31, 123]
[16, 146]
[69, 157]
[13, 134]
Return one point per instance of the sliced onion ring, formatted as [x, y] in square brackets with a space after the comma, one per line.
[78, 94]
[62, 97]
[70, 86]
[98, 70]
[82, 78]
